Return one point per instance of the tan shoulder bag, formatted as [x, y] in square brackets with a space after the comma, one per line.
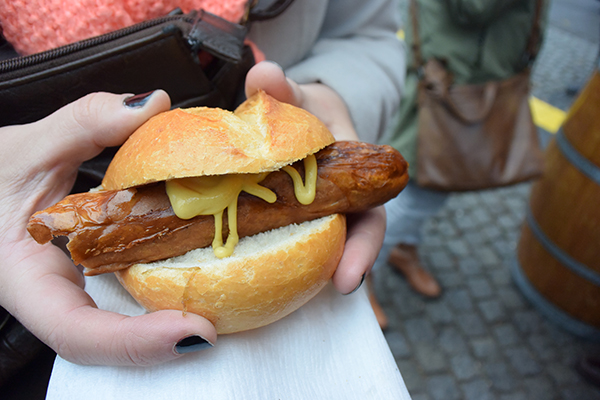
[474, 137]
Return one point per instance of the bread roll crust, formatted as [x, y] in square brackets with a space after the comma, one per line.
[262, 135]
[270, 275]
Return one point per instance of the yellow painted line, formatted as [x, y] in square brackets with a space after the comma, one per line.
[546, 116]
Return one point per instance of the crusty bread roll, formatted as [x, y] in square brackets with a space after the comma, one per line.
[269, 276]
[261, 135]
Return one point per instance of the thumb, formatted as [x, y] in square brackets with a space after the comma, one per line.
[41, 159]
[82, 129]
[270, 77]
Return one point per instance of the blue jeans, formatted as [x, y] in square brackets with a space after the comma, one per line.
[406, 215]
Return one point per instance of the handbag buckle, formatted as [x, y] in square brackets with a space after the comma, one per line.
[217, 36]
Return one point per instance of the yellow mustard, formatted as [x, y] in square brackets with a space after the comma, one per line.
[211, 195]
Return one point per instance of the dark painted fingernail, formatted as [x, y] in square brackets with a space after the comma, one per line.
[359, 284]
[137, 101]
[191, 344]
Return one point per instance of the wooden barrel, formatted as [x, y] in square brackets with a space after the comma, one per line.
[558, 255]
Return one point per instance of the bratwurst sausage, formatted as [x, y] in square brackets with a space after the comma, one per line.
[111, 230]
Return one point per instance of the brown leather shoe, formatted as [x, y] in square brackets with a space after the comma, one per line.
[382, 319]
[405, 259]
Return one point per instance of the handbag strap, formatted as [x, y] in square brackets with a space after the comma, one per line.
[533, 47]
[530, 51]
[416, 46]
[256, 12]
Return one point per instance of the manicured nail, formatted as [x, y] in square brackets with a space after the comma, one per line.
[191, 344]
[359, 284]
[137, 101]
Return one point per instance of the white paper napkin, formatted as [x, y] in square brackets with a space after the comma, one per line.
[332, 348]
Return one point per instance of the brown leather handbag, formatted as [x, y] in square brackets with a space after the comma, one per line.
[478, 136]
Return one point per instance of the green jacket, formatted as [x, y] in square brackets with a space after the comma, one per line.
[480, 40]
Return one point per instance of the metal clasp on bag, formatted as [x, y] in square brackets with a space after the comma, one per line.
[217, 36]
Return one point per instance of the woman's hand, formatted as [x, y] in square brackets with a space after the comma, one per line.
[39, 285]
[365, 230]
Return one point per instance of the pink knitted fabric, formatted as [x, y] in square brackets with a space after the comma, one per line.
[32, 26]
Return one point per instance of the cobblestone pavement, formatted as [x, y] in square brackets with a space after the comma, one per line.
[482, 339]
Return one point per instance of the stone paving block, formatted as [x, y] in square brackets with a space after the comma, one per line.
[452, 341]
[500, 376]
[479, 287]
[527, 321]
[406, 304]
[439, 312]
[430, 359]
[443, 387]
[486, 349]
[474, 237]
[511, 297]
[482, 217]
[470, 266]
[398, 344]
[459, 299]
[445, 228]
[439, 259]
[506, 248]
[449, 280]
[521, 359]
[540, 387]
[514, 396]
[492, 232]
[464, 367]
[466, 222]
[420, 396]
[543, 347]
[487, 256]
[432, 240]
[507, 222]
[506, 334]
[563, 374]
[458, 247]
[570, 353]
[559, 336]
[501, 275]
[419, 330]
[413, 379]
[492, 310]
[471, 324]
[477, 390]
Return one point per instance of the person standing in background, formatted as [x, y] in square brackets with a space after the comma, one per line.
[477, 41]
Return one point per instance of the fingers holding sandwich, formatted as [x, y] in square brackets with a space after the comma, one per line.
[365, 234]
[39, 285]
[58, 311]
[56, 145]
[364, 240]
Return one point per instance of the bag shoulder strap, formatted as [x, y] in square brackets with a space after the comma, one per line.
[416, 46]
[532, 48]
